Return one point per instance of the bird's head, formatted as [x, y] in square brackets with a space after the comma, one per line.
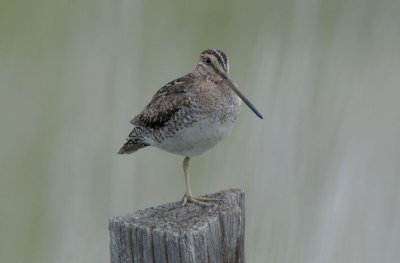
[214, 62]
[214, 65]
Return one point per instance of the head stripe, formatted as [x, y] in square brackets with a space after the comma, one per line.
[221, 57]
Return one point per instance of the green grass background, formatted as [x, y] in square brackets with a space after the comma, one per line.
[321, 171]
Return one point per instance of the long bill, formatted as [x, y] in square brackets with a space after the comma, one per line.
[235, 88]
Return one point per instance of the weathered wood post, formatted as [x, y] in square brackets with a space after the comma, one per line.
[174, 233]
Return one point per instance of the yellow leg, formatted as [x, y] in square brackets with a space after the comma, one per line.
[188, 194]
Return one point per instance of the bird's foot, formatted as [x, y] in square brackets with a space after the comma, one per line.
[188, 198]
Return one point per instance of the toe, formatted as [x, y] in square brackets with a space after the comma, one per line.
[196, 200]
[206, 199]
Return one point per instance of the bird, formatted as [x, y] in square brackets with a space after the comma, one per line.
[190, 114]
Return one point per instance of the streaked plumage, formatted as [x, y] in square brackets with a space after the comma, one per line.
[191, 114]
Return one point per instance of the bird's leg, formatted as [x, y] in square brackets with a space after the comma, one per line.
[188, 197]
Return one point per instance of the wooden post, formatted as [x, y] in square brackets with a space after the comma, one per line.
[174, 233]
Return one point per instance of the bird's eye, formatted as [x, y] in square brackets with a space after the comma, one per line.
[208, 60]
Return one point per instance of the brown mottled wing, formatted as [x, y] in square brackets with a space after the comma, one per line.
[165, 104]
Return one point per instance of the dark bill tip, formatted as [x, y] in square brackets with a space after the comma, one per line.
[244, 99]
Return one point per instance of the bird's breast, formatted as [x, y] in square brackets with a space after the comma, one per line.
[197, 137]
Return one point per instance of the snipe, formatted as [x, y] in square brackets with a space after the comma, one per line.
[190, 114]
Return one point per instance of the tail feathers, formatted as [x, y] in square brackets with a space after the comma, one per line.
[131, 146]
[135, 141]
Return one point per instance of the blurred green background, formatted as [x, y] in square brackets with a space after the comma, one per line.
[321, 171]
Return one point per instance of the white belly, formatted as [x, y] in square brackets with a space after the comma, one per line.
[196, 139]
